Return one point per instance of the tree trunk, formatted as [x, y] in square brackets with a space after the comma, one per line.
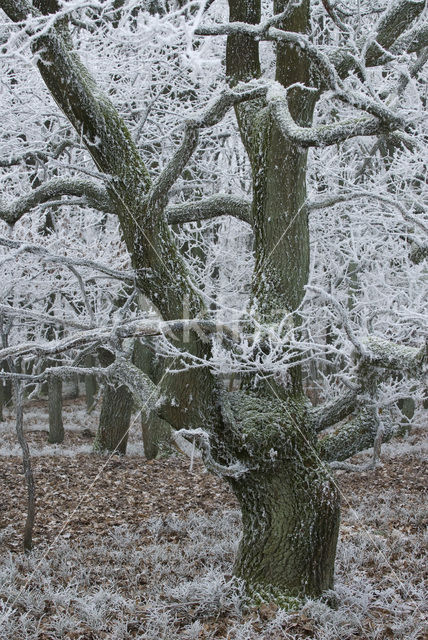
[290, 521]
[5, 392]
[115, 418]
[90, 385]
[289, 501]
[56, 427]
[156, 436]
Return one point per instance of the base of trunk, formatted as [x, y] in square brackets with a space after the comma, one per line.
[290, 505]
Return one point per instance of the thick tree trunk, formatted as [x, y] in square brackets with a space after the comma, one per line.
[290, 520]
[115, 418]
[290, 503]
[56, 427]
[156, 436]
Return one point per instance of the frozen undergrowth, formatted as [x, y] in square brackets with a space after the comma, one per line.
[172, 578]
[178, 585]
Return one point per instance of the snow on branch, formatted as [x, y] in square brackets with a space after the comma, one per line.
[235, 470]
[334, 411]
[24, 314]
[95, 195]
[219, 205]
[46, 256]
[42, 156]
[207, 117]
[317, 136]
[329, 201]
[105, 335]
[144, 391]
[390, 355]
[392, 24]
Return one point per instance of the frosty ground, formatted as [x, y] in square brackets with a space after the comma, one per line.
[126, 548]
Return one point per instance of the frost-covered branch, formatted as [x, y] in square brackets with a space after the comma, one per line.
[207, 208]
[46, 256]
[334, 411]
[42, 156]
[207, 117]
[317, 136]
[394, 22]
[351, 438]
[144, 391]
[22, 313]
[104, 335]
[390, 355]
[330, 201]
[202, 438]
[95, 195]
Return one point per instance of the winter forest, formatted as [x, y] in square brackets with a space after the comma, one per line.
[213, 319]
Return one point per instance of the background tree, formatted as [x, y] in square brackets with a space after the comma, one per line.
[263, 437]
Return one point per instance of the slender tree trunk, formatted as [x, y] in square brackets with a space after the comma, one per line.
[56, 427]
[90, 385]
[5, 392]
[28, 472]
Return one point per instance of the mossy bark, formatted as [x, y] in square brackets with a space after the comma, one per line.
[290, 520]
[289, 501]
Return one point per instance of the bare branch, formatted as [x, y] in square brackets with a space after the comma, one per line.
[95, 195]
[46, 256]
[207, 117]
[317, 136]
[207, 208]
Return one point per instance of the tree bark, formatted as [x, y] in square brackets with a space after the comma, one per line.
[289, 501]
[115, 417]
[290, 520]
[5, 391]
[90, 385]
[56, 427]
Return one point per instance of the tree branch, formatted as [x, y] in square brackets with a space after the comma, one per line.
[347, 440]
[95, 194]
[394, 22]
[317, 136]
[208, 117]
[332, 412]
[389, 355]
[212, 207]
[46, 256]
[104, 335]
[43, 156]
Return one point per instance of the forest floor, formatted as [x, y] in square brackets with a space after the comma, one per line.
[126, 548]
